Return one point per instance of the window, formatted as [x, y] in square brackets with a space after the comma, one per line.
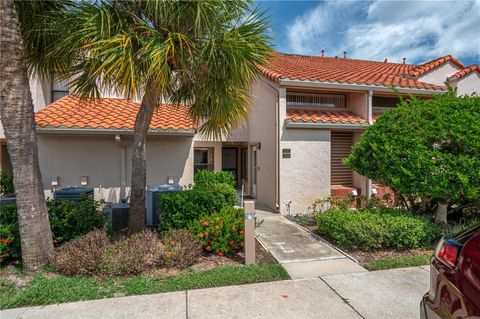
[316, 100]
[203, 159]
[59, 90]
[385, 102]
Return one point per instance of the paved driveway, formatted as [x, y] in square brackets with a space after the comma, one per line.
[392, 293]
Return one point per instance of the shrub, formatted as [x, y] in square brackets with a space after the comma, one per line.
[9, 232]
[70, 219]
[204, 177]
[180, 208]
[221, 233]
[133, 255]
[425, 150]
[181, 248]
[6, 183]
[81, 256]
[369, 229]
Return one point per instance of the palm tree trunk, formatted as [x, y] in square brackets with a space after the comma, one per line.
[136, 219]
[17, 116]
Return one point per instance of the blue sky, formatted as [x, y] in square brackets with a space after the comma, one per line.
[416, 30]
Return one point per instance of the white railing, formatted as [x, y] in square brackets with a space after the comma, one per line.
[316, 100]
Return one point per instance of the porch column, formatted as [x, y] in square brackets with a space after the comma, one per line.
[217, 157]
[369, 107]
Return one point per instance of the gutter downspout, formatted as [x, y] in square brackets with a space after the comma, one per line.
[277, 145]
[123, 167]
[368, 186]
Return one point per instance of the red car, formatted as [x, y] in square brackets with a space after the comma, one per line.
[454, 278]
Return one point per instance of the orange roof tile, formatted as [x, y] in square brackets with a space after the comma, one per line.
[464, 72]
[108, 113]
[339, 70]
[323, 116]
[427, 66]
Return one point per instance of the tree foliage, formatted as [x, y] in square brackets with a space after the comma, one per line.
[425, 149]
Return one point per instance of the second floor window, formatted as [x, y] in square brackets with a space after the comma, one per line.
[316, 100]
[59, 90]
[203, 159]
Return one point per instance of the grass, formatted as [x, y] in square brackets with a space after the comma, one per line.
[408, 261]
[46, 289]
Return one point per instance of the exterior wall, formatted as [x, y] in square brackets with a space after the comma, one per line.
[469, 84]
[41, 90]
[98, 157]
[359, 181]
[305, 176]
[357, 103]
[261, 129]
[439, 75]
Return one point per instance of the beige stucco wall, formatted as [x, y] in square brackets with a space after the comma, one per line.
[439, 75]
[469, 84]
[357, 103]
[261, 129]
[98, 157]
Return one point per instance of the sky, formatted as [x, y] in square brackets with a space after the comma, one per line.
[375, 30]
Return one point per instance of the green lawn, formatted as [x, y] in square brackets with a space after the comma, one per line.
[409, 261]
[47, 289]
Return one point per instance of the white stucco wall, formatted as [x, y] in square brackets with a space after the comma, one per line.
[305, 176]
[468, 84]
[440, 74]
[98, 157]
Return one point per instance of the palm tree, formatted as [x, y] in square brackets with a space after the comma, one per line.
[17, 116]
[201, 53]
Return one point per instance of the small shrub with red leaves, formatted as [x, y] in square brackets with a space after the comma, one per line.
[181, 248]
[221, 233]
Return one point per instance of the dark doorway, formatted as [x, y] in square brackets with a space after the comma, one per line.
[230, 161]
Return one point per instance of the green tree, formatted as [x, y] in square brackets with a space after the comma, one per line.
[426, 150]
[23, 39]
[202, 53]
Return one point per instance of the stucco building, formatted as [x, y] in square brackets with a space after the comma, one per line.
[307, 112]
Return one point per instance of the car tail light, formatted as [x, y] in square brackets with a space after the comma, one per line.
[448, 251]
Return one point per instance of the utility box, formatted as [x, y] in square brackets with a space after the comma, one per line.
[154, 193]
[116, 216]
[73, 193]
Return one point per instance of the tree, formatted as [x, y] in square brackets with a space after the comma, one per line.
[426, 150]
[17, 116]
[203, 53]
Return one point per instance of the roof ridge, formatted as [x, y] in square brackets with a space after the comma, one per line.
[464, 72]
[432, 64]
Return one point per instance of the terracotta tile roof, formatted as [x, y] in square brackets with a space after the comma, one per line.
[424, 68]
[108, 113]
[464, 72]
[339, 70]
[322, 116]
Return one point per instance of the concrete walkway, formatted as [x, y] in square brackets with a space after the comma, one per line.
[392, 293]
[302, 254]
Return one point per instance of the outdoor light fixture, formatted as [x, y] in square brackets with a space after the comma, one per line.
[84, 180]
[55, 181]
[354, 192]
[374, 191]
[170, 180]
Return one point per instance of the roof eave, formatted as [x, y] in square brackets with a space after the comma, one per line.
[354, 86]
[104, 131]
[325, 125]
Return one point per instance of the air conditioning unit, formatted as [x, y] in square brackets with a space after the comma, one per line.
[73, 193]
[154, 193]
[116, 215]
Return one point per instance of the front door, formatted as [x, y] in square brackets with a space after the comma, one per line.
[254, 171]
[230, 161]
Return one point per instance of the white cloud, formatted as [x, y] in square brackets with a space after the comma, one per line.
[389, 29]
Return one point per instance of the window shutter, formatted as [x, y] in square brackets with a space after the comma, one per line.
[341, 145]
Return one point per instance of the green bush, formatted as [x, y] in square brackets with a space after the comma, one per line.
[204, 177]
[425, 150]
[70, 219]
[221, 233]
[9, 232]
[6, 183]
[180, 208]
[373, 229]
